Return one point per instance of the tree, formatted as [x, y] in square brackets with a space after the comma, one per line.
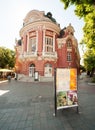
[82, 68]
[7, 58]
[89, 61]
[87, 12]
[86, 9]
[68, 3]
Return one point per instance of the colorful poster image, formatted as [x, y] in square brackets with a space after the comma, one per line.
[61, 99]
[73, 79]
[72, 98]
[66, 88]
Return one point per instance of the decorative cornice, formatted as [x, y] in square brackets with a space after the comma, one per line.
[40, 26]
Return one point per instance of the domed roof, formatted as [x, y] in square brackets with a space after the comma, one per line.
[35, 15]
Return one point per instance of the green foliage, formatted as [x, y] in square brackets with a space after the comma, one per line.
[89, 60]
[68, 3]
[85, 9]
[82, 68]
[87, 12]
[7, 58]
[82, 10]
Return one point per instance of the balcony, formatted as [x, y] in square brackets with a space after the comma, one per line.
[51, 55]
[45, 55]
[28, 55]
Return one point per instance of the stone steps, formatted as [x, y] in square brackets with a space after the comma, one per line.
[31, 79]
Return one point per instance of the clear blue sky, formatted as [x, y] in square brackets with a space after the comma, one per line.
[12, 13]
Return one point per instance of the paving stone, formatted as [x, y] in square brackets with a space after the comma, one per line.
[30, 106]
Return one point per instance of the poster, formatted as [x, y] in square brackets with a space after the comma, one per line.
[66, 88]
[63, 81]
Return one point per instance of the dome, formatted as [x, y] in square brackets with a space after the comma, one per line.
[35, 15]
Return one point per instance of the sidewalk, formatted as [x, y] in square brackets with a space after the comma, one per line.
[30, 106]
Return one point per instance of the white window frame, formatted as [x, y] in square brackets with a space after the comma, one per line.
[69, 56]
[48, 44]
[32, 43]
[69, 44]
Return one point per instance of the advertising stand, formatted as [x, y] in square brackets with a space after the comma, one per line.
[36, 76]
[65, 88]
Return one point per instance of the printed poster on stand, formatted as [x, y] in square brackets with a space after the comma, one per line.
[66, 88]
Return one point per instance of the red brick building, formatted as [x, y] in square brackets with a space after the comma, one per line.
[44, 46]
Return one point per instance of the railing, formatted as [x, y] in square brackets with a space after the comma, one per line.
[28, 54]
[50, 54]
[34, 54]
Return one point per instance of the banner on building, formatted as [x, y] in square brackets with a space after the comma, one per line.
[66, 88]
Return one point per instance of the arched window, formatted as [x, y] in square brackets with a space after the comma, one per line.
[32, 70]
[48, 70]
[32, 65]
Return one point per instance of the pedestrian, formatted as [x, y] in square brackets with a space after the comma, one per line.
[16, 76]
[9, 78]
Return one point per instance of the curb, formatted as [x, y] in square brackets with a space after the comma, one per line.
[91, 83]
[4, 81]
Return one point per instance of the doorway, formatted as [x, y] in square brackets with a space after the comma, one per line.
[31, 70]
[48, 70]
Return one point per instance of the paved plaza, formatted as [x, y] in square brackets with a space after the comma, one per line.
[30, 106]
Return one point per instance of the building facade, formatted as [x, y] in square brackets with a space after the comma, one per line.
[44, 46]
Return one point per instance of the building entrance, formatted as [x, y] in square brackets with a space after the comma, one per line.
[48, 70]
[31, 70]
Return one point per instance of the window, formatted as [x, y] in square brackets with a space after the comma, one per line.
[31, 70]
[69, 44]
[69, 56]
[32, 44]
[48, 65]
[48, 70]
[48, 44]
